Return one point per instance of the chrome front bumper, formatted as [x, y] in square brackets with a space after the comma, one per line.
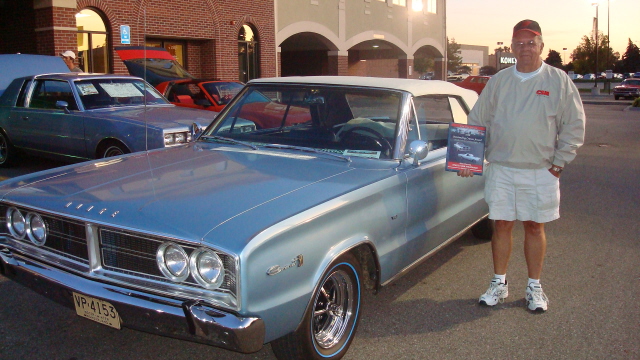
[188, 320]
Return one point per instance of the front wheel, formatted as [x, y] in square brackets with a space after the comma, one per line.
[112, 149]
[331, 318]
[616, 97]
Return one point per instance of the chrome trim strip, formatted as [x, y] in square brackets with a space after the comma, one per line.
[430, 253]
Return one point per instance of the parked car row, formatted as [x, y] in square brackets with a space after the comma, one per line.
[265, 228]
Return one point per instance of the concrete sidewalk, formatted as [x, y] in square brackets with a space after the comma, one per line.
[603, 99]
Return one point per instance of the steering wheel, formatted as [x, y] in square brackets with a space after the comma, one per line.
[379, 140]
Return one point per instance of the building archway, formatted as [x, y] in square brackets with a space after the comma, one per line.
[428, 60]
[378, 58]
[307, 54]
[94, 53]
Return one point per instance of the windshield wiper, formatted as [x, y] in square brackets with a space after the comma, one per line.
[306, 149]
[233, 141]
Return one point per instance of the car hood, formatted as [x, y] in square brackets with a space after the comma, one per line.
[162, 116]
[188, 191]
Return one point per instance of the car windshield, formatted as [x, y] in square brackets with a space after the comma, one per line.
[221, 91]
[631, 82]
[338, 120]
[108, 93]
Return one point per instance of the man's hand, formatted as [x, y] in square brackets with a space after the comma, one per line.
[465, 173]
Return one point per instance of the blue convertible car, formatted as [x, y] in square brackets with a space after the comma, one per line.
[88, 116]
[303, 193]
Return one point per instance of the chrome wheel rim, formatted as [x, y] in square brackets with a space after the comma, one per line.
[3, 149]
[333, 310]
[113, 151]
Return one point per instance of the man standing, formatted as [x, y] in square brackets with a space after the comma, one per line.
[69, 57]
[535, 123]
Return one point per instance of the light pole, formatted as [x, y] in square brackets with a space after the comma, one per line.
[498, 65]
[564, 59]
[595, 83]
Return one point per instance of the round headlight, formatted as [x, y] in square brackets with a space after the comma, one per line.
[36, 229]
[16, 223]
[169, 139]
[173, 261]
[206, 268]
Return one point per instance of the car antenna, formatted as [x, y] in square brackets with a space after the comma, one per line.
[144, 95]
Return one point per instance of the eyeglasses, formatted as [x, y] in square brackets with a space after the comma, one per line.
[522, 45]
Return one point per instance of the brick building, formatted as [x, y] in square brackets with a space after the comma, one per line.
[234, 39]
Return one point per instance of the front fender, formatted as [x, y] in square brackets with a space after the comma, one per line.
[277, 287]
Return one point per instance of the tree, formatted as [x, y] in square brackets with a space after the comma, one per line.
[584, 56]
[453, 55]
[464, 69]
[423, 64]
[554, 59]
[488, 70]
[631, 58]
[503, 49]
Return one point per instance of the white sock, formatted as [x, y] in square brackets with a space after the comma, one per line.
[533, 281]
[502, 278]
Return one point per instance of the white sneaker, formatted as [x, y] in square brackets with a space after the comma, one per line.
[497, 292]
[536, 299]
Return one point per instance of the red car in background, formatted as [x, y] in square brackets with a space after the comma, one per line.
[160, 69]
[475, 83]
[211, 95]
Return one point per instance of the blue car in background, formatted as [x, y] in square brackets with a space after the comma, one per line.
[304, 193]
[77, 116]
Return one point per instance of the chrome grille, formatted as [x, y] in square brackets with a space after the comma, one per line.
[65, 237]
[128, 253]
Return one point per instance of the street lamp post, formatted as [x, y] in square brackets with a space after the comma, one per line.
[498, 65]
[595, 83]
[564, 59]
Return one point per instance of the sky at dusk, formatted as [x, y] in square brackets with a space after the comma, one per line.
[563, 22]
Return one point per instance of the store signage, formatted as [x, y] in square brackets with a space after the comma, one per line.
[125, 34]
[507, 60]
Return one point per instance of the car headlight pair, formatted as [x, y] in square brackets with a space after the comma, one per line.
[31, 226]
[176, 138]
[203, 264]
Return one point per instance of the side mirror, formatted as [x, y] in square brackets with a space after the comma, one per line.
[195, 129]
[418, 150]
[63, 105]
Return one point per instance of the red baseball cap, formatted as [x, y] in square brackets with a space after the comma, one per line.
[527, 25]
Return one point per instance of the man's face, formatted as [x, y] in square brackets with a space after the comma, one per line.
[69, 61]
[526, 48]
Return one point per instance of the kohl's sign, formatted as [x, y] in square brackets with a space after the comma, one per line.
[507, 60]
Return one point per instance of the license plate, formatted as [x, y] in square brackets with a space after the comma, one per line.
[96, 310]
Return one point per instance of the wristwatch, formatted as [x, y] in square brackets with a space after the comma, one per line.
[556, 168]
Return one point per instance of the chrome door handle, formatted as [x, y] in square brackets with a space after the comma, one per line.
[26, 118]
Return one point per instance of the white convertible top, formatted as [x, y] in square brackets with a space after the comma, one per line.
[413, 86]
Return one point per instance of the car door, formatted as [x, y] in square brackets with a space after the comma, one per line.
[440, 203]
[40, 126]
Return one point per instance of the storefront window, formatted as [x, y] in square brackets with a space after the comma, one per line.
[248, 54]
[175, 48]
[93, 44]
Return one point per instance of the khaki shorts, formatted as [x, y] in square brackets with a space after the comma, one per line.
[522, 194]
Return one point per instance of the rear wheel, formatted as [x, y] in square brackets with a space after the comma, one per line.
[331, 318]
[483, 230]
[7, 151]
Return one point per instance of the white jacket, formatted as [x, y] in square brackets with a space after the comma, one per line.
[530, 123]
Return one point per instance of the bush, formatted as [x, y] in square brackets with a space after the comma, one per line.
[636, 102]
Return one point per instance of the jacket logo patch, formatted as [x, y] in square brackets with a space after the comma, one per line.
[542, 92]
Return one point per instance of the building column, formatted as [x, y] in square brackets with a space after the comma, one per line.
[405, 68]
[338, 63]
[440, 68]
[55, 26]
